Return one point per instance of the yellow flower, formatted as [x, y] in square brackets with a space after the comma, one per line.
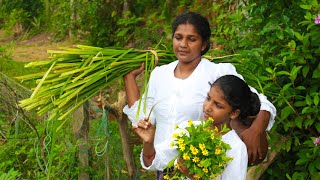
[172, 144]
[182, 133]
[199, 165]
[218, 151]
[197, 176]
[190, 123]
[186, 156]
[210, 119]
[182, 147]
[166, 176]
[205, 152]
[212, 136]
[205, 170]
[194, 150]
[177, 166]
[195, 159]
[175, 135]
[176, 127]
[202, 146]
[180, 141]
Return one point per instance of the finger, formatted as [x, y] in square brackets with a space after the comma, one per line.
[250, 157]
[254, 156]
[260, 153]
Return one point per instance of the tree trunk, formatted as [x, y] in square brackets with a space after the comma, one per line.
[81, 130]
[127, 149]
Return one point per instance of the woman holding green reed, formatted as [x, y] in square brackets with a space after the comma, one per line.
[179, 90]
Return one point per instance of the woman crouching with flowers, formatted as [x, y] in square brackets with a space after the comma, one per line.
[229, 99]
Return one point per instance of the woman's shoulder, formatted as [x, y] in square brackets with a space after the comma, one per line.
[165, 67]
[209, 64]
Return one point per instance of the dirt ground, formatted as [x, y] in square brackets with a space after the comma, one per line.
[31, 49]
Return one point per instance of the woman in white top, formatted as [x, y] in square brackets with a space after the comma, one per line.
[178, 89]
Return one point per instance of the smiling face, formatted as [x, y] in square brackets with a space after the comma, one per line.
[187, 43]
[218, 108]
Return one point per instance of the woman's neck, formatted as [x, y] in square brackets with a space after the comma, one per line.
[184, 70]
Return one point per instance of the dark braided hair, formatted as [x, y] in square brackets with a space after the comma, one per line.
[239, 96]
[199, 22]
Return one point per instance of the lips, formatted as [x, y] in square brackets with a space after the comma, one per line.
[205, 115]
[183, 52]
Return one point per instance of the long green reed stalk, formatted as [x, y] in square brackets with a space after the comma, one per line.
[76, 74]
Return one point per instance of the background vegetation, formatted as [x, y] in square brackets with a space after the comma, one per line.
[278, 47]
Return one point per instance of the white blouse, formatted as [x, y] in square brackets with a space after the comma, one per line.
[237, 168]
[178, 100]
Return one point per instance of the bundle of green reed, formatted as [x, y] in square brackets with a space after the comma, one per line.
[76, 74]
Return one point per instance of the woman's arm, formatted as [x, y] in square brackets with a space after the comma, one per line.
[146, 131]
[131, 87]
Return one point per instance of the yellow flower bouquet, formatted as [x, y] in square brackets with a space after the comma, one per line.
[202, 150]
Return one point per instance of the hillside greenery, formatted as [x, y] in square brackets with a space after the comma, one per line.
[277, 48]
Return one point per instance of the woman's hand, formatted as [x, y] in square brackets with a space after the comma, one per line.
[145, 130]
[133, 74]
[257, 145]
[183, 169]
[255, 138]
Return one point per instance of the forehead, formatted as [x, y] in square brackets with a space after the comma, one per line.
[187, 29]
[217, 94]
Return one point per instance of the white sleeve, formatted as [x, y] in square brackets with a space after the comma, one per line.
[227, 68]
[164, 154]
[147, 102]
[237, 168]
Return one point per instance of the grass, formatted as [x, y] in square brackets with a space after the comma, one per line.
[13, 68]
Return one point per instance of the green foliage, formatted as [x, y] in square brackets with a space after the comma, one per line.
[11, 175]
[14, 12]
[279, 53]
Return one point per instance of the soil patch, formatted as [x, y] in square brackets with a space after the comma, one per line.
[33, 49]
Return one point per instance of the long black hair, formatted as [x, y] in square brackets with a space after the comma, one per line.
[239, 96]
[199, 22]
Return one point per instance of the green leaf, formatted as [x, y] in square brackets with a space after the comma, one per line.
[283, 73]
[302, 161]
[307, 7]
[288, 145]
[279, 34]
[308, 100]
[316, 100]
[298, 122]
[305, 71]
[317, 125]
[285, 112]
[269, 70]
[298, 35]
[308, 122]
[316, 72]
[294, 72]
[300, 104]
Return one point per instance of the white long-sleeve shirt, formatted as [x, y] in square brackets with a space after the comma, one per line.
[178, 100]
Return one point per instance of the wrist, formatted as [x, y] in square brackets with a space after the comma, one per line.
[129, 76]
[148, 156]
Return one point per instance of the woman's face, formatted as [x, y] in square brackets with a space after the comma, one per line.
[187, 43]
[217, 107]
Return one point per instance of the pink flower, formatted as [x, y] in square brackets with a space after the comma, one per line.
[317, 20]
[316, 142]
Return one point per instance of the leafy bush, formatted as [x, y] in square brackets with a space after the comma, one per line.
[278, 47]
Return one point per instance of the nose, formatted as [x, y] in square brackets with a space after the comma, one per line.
[183, 42]
[207, 107]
